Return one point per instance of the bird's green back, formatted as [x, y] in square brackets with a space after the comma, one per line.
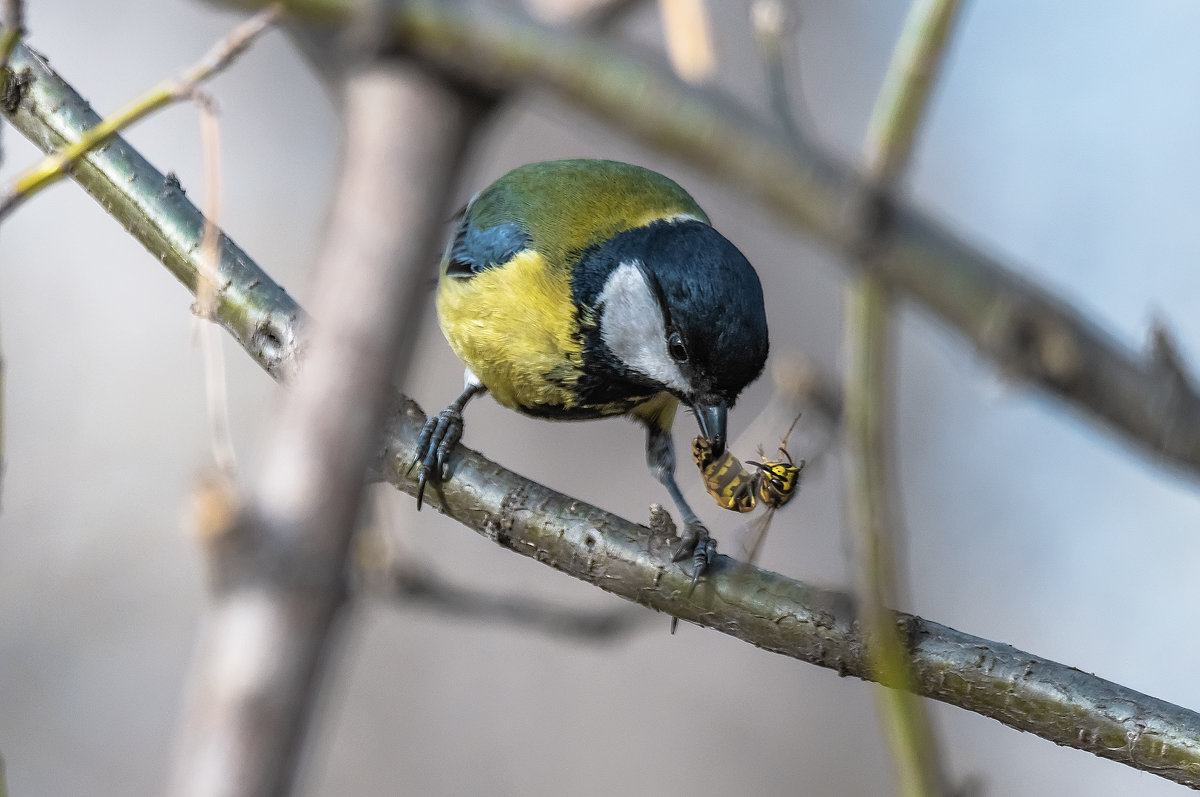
[569, 205]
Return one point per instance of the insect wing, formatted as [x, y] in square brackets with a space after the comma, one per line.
[755, 534]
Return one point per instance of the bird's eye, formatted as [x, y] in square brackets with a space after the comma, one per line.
[676, 348]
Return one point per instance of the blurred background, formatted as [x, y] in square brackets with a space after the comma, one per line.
[1061, 137]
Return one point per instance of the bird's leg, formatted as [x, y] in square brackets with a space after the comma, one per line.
[695, 540]
[439, 436]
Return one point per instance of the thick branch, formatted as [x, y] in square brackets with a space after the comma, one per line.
[279, 569]
[1056, 702]
[1029, 332]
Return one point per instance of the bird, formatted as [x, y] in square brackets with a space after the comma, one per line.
[582, 289]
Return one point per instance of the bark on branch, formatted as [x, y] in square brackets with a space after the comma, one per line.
[1026, 692]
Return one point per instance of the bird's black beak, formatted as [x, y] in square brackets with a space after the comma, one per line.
[711, 418]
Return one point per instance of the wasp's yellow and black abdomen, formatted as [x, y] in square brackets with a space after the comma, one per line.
[725, 477]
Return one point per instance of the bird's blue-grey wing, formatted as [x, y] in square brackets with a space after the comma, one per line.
[476, 248]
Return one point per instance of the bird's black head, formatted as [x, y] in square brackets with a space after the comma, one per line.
[675, 307]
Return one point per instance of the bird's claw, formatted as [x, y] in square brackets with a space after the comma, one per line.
[438, 438]
[697, 543]
[702, 559]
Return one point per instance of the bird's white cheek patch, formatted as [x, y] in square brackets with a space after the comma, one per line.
[633, 329]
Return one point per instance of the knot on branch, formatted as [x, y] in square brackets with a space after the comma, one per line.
[1031, 343]
[275, 345]
[870, 219]
[15, 85]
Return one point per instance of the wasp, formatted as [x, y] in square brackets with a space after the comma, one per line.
[734, 487]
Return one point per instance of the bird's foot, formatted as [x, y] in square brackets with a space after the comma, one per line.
[438, 438]
[697, 543]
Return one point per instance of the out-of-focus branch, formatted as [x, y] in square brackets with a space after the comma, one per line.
[12, 17]
[384, 569]
[908, 729]
[419, 586]
[278, 571]
[773, 25]
[906, 85]
[1056, 702]
[688, 34]
[1026, 330]
[869, 411]
[56, 166]
[603, 14]
[216, 398]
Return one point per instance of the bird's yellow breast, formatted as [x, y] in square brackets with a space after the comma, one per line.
[515, 326]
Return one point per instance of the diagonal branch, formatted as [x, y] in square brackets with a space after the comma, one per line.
[1026, 330]
[1026, 692]
[259, 314]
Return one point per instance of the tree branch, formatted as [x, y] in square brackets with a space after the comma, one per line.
[419, 586]
[1026, 692]
[279, 569]
[12, 17]
[869, 407]
[1026, 330]
[260, 315]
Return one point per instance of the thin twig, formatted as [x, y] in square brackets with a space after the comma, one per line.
[384, 568]
[418, 586]
[216, 395]
[890, 135]
[771, 20]
[56, 166]
[1059, 703]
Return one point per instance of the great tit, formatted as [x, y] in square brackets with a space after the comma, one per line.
[579, 289]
